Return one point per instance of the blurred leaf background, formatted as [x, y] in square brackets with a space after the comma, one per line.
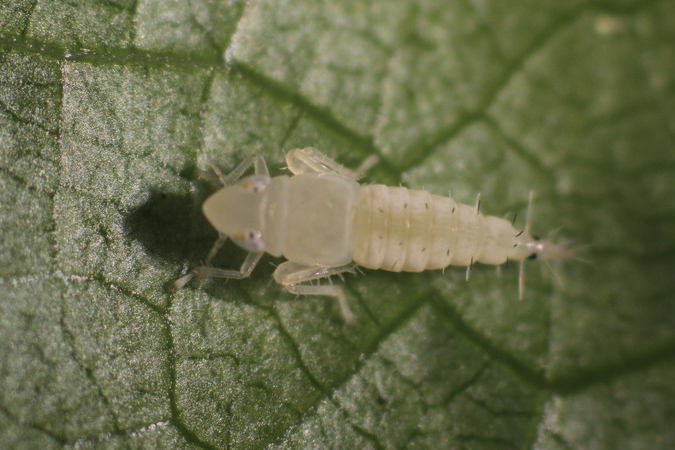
[110, 111]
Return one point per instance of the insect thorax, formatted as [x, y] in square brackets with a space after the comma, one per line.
[319, 211]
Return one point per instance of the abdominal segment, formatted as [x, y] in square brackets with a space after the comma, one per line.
[400, 229]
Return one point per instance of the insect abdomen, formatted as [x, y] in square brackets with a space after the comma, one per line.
[399, 229]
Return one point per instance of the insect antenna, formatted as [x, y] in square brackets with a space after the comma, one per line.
[203, 153]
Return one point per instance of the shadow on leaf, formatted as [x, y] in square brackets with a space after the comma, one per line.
[171, 226]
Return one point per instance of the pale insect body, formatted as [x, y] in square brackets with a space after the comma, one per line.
[324, 223]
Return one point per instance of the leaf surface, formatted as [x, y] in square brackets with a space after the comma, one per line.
[112, 112]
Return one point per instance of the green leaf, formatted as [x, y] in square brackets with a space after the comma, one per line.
[111, 112]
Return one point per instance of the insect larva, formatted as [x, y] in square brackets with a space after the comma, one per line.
[324, 223]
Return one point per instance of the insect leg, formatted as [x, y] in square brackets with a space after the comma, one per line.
[366, 165]
[302, 160]
[216, 247]
[244, 271]
[290, 275]
[259, 168]
[329, 290]
[213, 272]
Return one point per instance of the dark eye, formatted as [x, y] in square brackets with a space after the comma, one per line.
[532, 257]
